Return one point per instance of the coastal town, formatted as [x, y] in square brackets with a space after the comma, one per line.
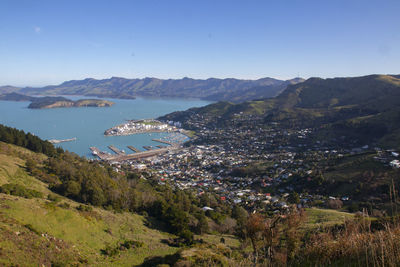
[260, 168]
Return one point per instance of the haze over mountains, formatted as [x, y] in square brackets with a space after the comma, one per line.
[234, 90]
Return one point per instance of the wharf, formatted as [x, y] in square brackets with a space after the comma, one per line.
[134, 149]
[148, 147]
[116, 150]
[140, 155]
[164, 141]
[97, 152]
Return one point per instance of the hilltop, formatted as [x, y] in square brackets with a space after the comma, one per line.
[235, 90]
[364, 108]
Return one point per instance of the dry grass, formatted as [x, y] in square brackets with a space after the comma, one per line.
[355, 245]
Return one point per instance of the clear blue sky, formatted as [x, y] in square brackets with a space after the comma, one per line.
[47, 42]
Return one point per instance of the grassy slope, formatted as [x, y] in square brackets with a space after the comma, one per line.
[321, 218]
[73, 236]
[83, 234]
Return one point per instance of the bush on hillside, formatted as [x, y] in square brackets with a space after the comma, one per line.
[20, 190]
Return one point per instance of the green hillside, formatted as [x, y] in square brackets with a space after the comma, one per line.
[364, 108]
[39, 227]
[53, 230]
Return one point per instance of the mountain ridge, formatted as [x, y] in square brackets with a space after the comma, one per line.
[214, 89]
[366, 108]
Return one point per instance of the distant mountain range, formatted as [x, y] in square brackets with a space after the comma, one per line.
[234, 90]
[365, 108]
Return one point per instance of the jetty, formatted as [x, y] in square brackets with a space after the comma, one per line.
[97, 152]
[140, 155]
[148, 147]
[57, 141]
[134, 149]
[116, 150]
[163, 141]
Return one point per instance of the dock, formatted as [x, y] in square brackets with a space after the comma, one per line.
[134, 149]
[164, 141]
[148, 147]
[116, 150]
[124, 157]
[140, 155]
[97, 152]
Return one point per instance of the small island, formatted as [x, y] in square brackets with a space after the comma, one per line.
[55, 101]
[69, 103]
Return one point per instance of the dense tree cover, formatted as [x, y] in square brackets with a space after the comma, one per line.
[27, 140]
[100, 185]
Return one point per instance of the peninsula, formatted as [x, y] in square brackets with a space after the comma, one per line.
[55, 101]
[141, 126]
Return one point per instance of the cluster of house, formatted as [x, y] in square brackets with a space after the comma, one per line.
[388, 157]
[228, 166]
[248, 164]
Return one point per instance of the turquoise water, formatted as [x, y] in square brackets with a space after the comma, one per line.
[87, 124]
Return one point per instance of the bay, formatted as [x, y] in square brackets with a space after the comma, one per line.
[88, 124]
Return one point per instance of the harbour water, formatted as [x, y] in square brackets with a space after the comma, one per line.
[87, 124]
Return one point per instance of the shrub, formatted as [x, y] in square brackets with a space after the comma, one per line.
[32, 229]
[64, 205]
[110, 251]
[20, 190]
[54, 198]
[84, 208]
[128, 244]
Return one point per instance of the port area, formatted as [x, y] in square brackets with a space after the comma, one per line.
[57, 141]
[120, 157]
[142, 126]
[116, 150]
[169, 143]
[173, 141]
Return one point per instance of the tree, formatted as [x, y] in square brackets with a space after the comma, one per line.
[30, 164]
[72, 189]
[202, 225]
[254, 229]
[294, 198]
